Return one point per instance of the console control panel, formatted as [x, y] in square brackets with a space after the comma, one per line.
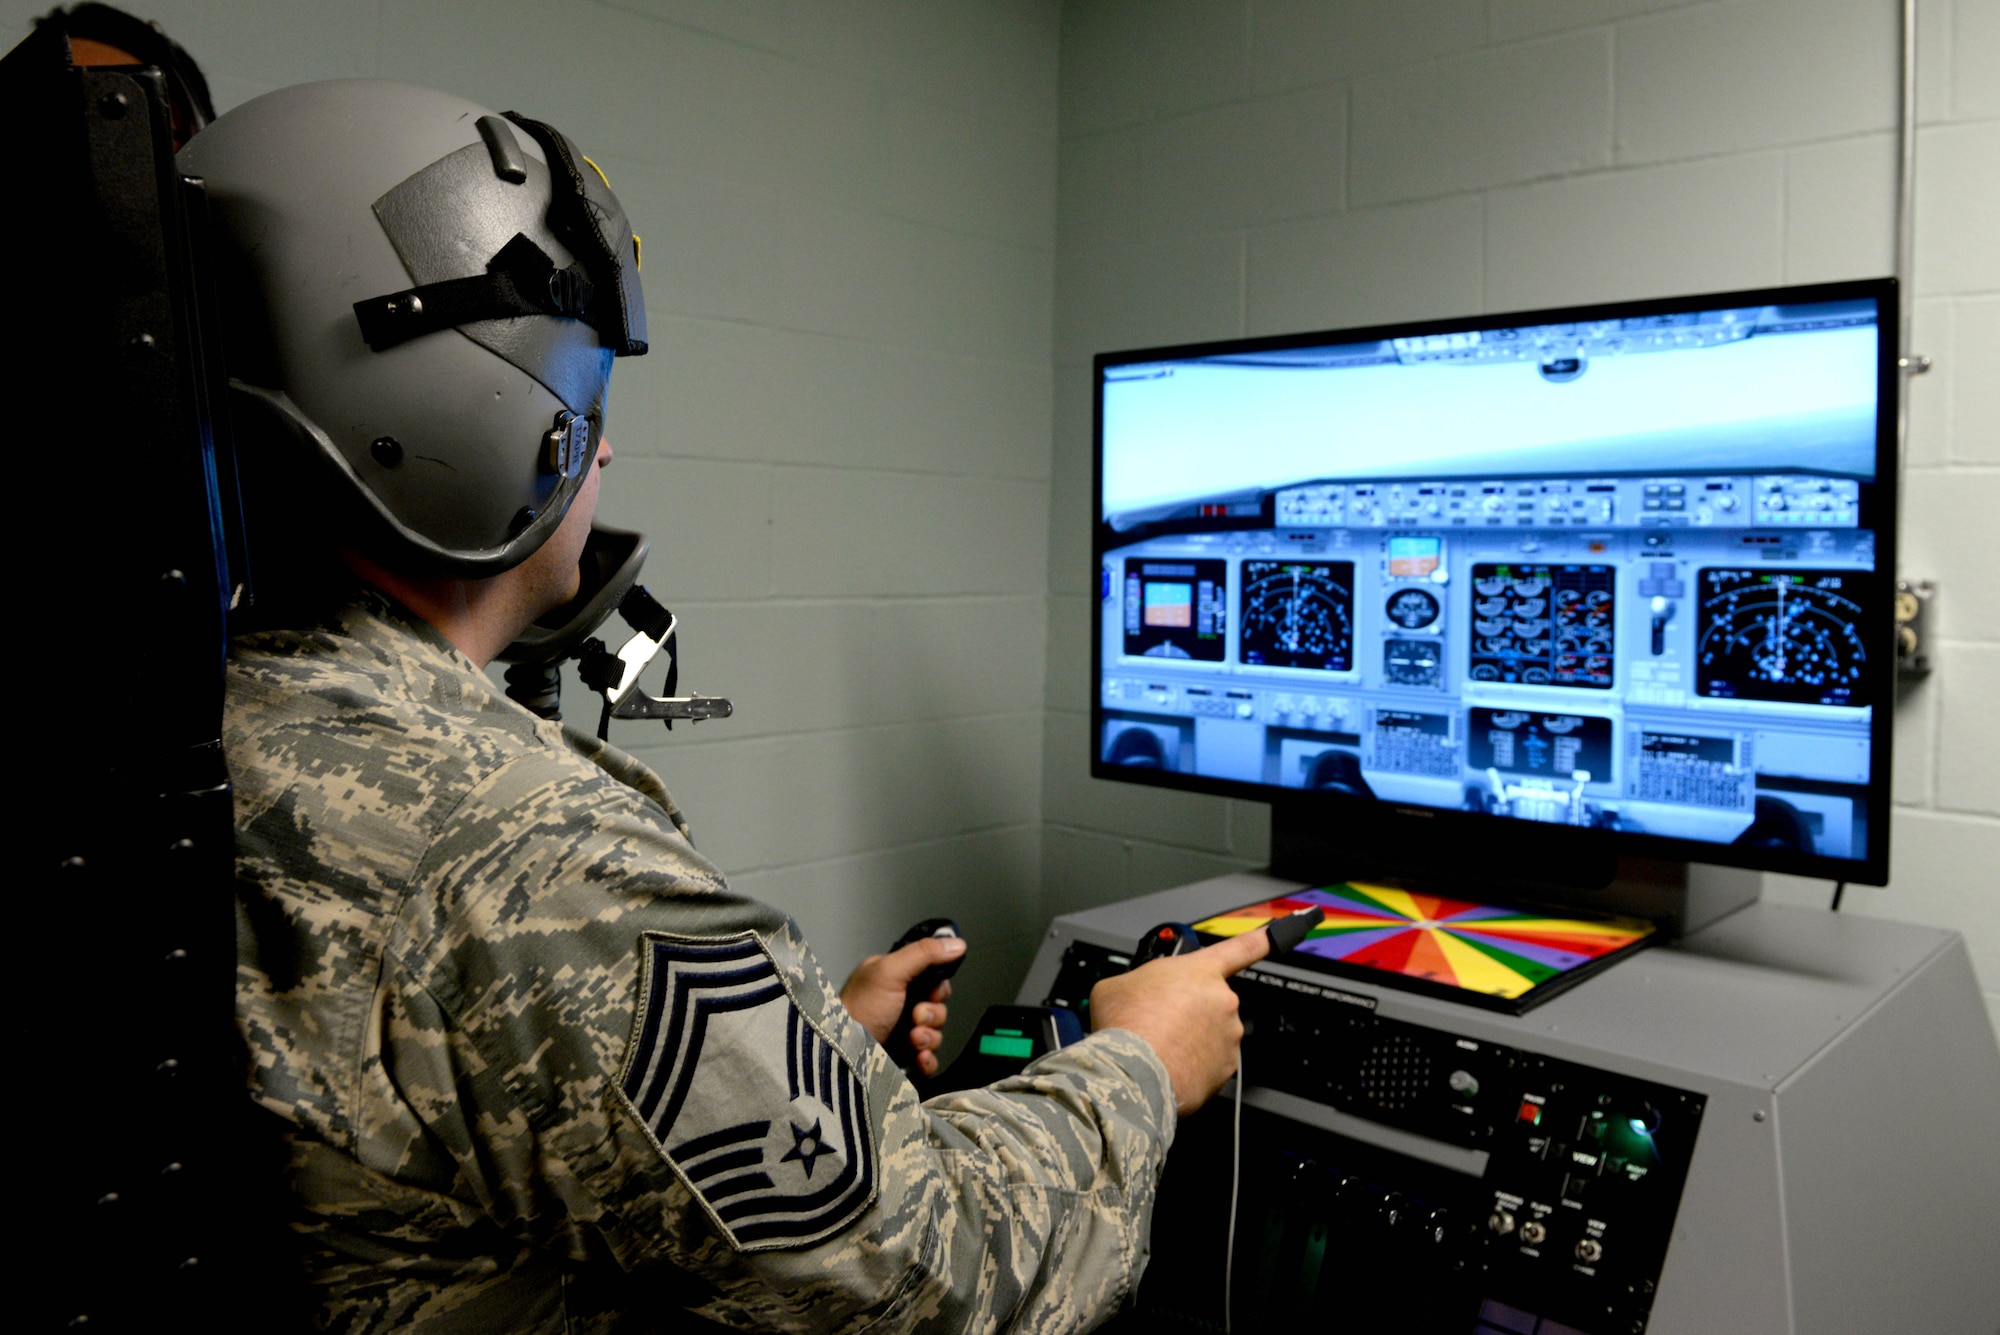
[1583, 1170]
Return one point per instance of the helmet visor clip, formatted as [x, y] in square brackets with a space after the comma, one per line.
[566, 447]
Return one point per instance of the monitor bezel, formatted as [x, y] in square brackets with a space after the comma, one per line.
[1387, 824]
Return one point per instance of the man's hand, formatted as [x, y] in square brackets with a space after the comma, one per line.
[1183, 1006]
[874, 995]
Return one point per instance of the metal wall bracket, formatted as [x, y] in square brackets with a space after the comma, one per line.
[1913, 601]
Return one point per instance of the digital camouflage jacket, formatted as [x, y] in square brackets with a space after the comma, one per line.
[543, 1071]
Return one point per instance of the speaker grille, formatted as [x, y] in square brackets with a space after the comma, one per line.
[1395, 1073]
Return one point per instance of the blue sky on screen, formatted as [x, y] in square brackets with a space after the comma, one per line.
[1776, 401]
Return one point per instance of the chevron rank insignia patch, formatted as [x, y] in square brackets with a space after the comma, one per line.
[761, 1116]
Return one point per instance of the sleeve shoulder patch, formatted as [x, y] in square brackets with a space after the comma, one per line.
[761, 1116]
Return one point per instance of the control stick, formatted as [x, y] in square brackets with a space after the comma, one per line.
[1287, 932]
[1169, 938]
[1007, 1038]
[1177, 938]
[919, 991]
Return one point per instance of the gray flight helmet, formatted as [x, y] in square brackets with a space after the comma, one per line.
[425, 302]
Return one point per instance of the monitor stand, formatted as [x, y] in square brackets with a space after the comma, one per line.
[1507, 866]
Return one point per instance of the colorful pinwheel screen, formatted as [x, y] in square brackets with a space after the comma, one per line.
[1503, 952]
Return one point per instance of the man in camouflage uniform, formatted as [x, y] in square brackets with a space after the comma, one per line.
[540, 1069]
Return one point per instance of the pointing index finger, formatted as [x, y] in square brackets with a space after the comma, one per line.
[1239, 952]
[1233, 954]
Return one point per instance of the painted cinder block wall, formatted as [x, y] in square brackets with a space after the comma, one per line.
[1235, 167]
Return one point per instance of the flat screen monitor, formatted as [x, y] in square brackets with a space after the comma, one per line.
[1615, 579]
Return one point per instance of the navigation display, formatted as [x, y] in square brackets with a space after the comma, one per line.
[1781, 635]
[1621, 570]
[1298, 614]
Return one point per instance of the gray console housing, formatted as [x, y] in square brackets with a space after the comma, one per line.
[1847, 1174]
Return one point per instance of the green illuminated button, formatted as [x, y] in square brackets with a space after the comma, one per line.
[1006, 1043]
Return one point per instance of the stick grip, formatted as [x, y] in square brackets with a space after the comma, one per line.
[1288, 931]
[920, 990]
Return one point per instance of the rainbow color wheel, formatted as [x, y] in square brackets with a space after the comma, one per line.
[1429, 939]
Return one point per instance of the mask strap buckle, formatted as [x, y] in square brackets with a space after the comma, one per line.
[616, 676]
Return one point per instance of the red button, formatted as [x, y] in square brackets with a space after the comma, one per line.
[1531, 1113]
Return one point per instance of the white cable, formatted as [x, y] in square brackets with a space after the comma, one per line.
[1235, 1176]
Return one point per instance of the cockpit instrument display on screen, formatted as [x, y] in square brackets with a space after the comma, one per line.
[1623, 570]
[1298, 614]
